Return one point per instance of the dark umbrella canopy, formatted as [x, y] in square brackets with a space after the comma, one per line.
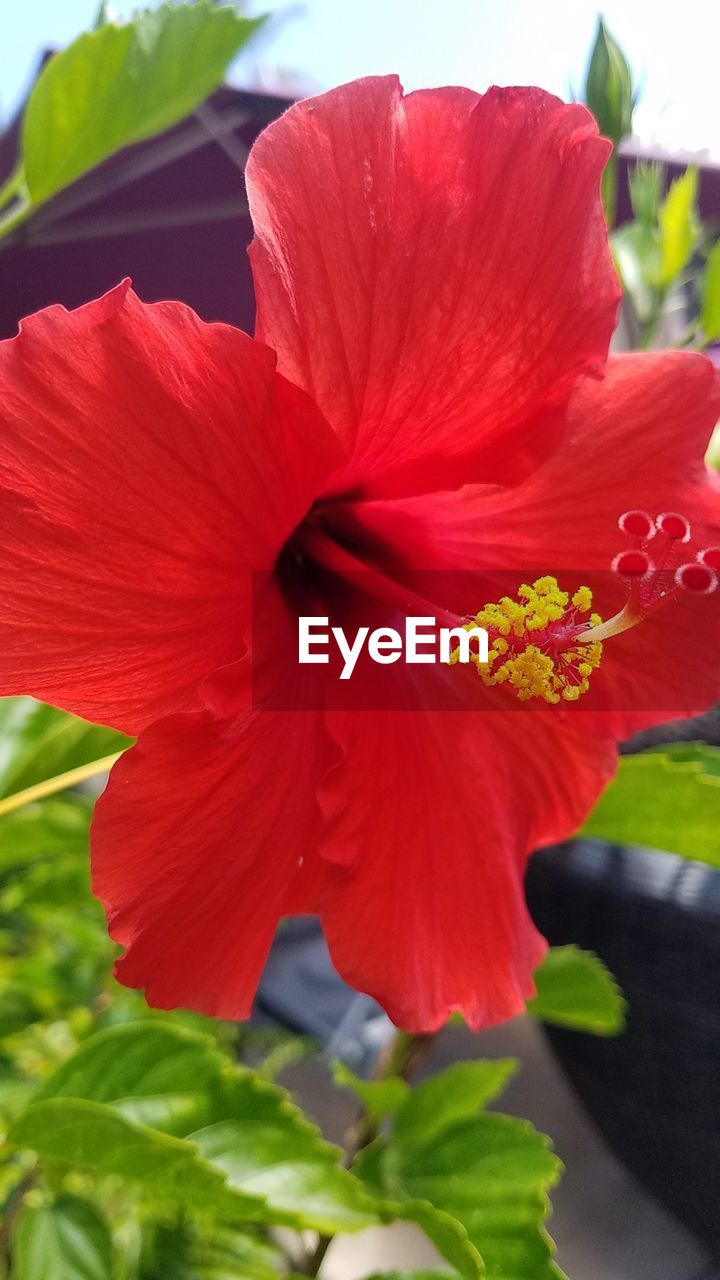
[171, 213]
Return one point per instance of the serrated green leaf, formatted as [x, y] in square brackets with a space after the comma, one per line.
[378, 1097]
[156, 1073]
[576, 990]
[710, 311]
[66, 1240]
[488, 1173]
[447, 1234]
[37, 742]
[456, 1093]
[679, 225]
[492, 1175]
[99, 1139]
[118, 85]
[668, 800]
[267, 1148]
[160, 1080]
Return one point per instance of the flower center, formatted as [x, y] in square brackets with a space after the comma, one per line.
[546, 644]
[533, 642]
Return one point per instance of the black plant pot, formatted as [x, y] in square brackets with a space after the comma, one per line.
[654, 1092]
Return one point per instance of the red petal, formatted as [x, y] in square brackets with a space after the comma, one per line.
[430, 821]
[431, 269]
[147, 462]
[664, 668]
[205, 832]
[636, 439]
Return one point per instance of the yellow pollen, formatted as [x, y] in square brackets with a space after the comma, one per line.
[533, 644]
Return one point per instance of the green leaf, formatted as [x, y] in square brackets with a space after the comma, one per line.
[56, 829]
[636, 251]
[679, 226]
[379, 1097]
[121, 84]
[100, 1140]
[407, 1275]
[457, 1093]
[155, 1073]
[491, 1174]
[267, 1148]
[67, 1240]
[668, 799]
[710, 312]
[139, 1083]
[575, 989]
[706, 759]
[105, 14]
[446, 1232]
[51, 883]
[38, 742]
[645, 183]
[55, 954]
[186, 1251]
[448, 1165]
[231, 1255]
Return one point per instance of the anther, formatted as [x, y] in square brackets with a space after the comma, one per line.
[674, 526]
[699, 578]
[637, 524]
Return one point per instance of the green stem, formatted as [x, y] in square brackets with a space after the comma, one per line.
[648, 331]
[692, 339]
[15, 1204]
[401, 1056]
[19, 212]
[398, 1059]
[608, 188]
[316, 1258]
[13, 185]
[61, 782]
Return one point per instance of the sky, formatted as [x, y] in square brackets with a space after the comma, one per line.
[313, 44]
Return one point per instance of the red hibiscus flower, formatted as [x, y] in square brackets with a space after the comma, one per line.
[428, 390]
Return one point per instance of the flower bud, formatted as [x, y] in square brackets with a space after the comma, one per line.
[608, 87]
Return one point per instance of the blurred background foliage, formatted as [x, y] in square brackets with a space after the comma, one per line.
[667, 260]
[137, 1145]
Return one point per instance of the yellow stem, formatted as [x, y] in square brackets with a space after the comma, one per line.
[60, 782]
[628, 617]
